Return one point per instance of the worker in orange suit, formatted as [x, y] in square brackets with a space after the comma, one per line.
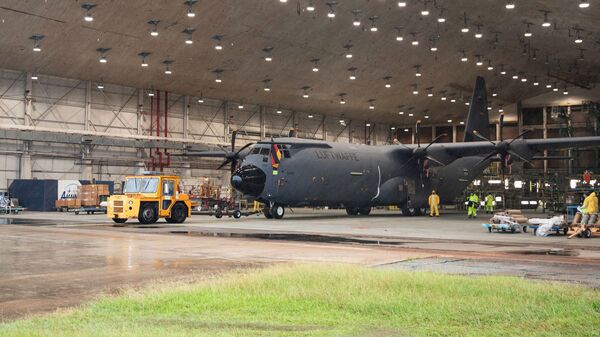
[587, 177]
[434, 202]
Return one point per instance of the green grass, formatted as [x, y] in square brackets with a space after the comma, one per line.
[332, 300]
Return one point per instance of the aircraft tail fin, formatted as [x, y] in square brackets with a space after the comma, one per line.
[478, 119]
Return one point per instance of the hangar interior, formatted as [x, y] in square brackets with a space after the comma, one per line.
[136, 74]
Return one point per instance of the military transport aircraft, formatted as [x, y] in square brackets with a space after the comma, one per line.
[293, 172]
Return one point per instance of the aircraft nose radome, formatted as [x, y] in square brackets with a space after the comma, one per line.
[249, 180]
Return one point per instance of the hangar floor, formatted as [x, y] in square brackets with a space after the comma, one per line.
[53, 260]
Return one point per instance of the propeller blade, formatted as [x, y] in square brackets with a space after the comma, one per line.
[407, 162]
[526, 131]
[418, 133]
[513, 153]
[207, 154]
[435, 140]
[486, 158]
[233, 135]
[435, 160]
[501, 125]
[233, 166]
[223, 164]
[478, 135]
[244, 147]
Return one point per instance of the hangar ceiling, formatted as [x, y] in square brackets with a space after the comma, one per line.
[297, 36]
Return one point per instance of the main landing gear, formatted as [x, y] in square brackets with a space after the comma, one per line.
[276, 211]
[358, 210]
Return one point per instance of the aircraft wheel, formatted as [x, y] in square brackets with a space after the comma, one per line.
[267, 213]
[406, 211]
[364, 210]
[352, 210]
[148, 214]
[278, 211]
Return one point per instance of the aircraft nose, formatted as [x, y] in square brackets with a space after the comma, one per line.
[249, 180]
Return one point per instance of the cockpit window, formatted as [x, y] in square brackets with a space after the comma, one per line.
[255, 150]
[264, 151]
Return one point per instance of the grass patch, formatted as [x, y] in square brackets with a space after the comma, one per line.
[333, 300]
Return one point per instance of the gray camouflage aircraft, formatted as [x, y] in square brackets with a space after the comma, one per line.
[293, 172]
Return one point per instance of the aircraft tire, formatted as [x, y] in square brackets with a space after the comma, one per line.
[278, 211]
[352, 211]
[364, 210]
[406, 211]
[267, 213]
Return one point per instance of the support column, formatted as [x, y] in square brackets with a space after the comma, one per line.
[87, 172]
[373, 134]
[545, 136]
[324, 122]
[226, 121]
[350, 132]
[433, 132]
[25, 160]
[140, 111]
[453, 133]
[88, 106]
[186, 116]
[263, 130]
[186, 171]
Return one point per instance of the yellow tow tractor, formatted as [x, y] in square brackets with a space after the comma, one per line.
[149, 197]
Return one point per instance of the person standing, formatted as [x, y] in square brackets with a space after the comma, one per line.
[434, 202]
[590, 207]
[472, 205]
[587, 177]
[489, 203]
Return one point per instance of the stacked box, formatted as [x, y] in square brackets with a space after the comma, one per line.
[92, 195]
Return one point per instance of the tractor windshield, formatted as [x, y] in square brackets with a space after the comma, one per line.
[141, 185]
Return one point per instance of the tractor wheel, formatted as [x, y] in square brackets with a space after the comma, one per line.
[278, 211]
[237, 214]
[178, 213]
[148, 214]
[587, 233]
[352, 211]
[408, 211]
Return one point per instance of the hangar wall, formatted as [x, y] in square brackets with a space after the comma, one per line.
[61, 104]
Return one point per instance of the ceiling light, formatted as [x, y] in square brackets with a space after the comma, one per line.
[387, 81]
[34, 76]
[548, 85]
[426, 116]
[453, 100]
[415, 90]
[310, 116]
[429, 94]
[425, 12]
[315, 65]
[524, 79]
[190, 11]
[342, 100]
[283, 1]
[100, 86]
[305, 92]
[467, 103]
[449, 121]
[279, 112]
[415, 43]
[356, 20]
[367, 124]
[331, 13]
[200, 100]
[168, 71]
[36, 42]
[102, 52]
[444, 98]
[490, 67]
[144, 55]
[464, 57]
[401, 3]
[154, 23]
[189, 31]
[479, 62]
[584, 4]
[267, 84]
[411, 114]
[241, 106]
[218, 73]
[400, 112]
[441, 18]
[269, 54]
[399, 38]
[565, 91]
[373, 25]
[501, 110]
[348, 52]
[352, 71]
[465, 27]
[462, 123]
[310, 7]
[494, 94]
[218, 42]
[88, 7]
[151, 94]
[546, 22]
[510, 5]
[371, 106]
[528, 31]
[167, 64]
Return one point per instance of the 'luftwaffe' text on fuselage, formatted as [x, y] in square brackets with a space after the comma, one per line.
[331, 155]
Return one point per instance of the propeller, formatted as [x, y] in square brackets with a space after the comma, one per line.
[502, 149]
[421, 155]
[233, 156]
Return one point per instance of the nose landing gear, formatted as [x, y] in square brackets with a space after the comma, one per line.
[276, 211]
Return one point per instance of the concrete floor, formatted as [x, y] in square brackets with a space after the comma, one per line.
[56, 260]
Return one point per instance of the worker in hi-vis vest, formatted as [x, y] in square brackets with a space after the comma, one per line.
[489, 203]
[472, 204]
